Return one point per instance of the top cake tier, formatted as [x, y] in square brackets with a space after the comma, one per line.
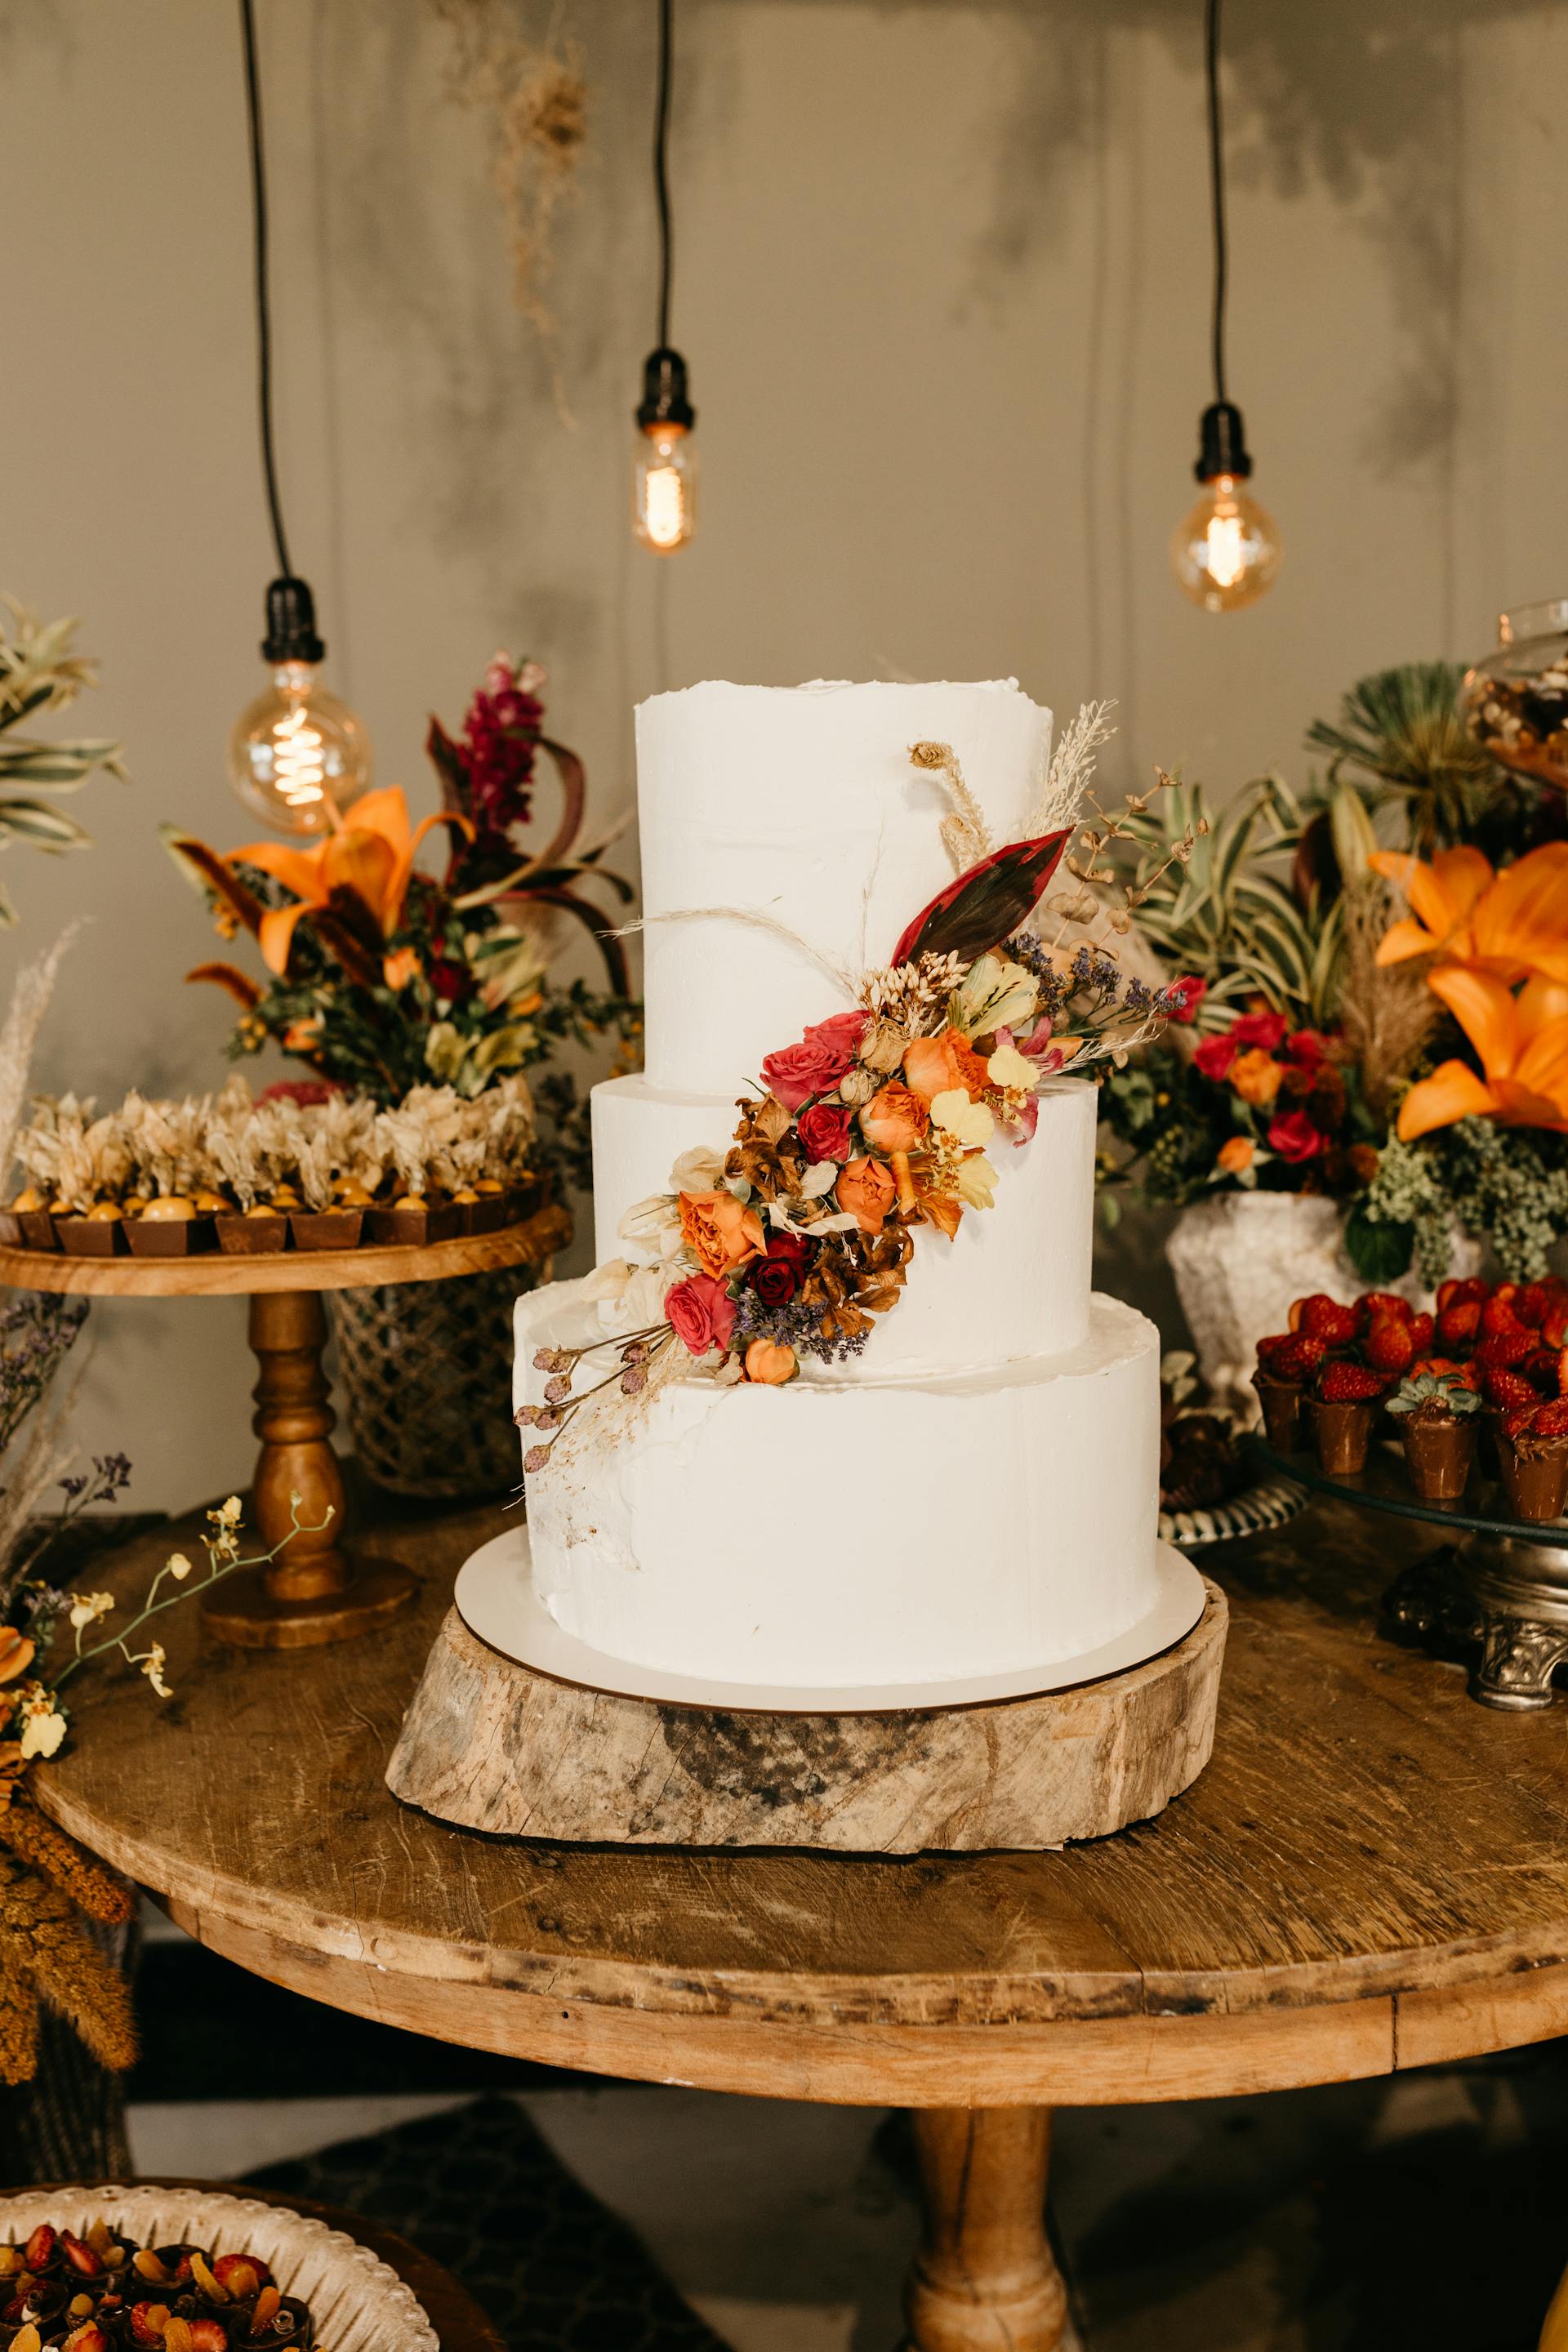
[799, 802]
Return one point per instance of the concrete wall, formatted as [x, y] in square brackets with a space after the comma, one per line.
[943, 282]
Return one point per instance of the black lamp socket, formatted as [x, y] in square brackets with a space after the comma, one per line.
[665, 398]
[291, 624]
[1222, 443]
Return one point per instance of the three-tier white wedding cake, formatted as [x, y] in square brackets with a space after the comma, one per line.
[976, 1491]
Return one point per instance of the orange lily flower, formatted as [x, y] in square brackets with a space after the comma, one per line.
[369, 852]
[1522, 1042]
[1510, 924]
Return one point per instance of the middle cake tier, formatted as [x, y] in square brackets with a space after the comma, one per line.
[1013, 1282]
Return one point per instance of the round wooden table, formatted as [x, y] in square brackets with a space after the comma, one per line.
[1370, 1876]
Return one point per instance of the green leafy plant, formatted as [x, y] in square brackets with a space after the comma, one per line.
[1400, 739]
[38, 672]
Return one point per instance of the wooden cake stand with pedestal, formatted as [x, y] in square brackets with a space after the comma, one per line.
[319, 1589]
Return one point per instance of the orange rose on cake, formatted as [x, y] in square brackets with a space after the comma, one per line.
[720, 1231]
[867, 1191]
[934, 1066]
[895, 1119]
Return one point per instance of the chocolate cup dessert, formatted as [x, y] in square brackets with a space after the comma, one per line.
[38, 1229]
[1342, 1430]
[169, 1237]
[1281, 1402]
[1438, 1450]
[243, 1237]
[326, 1229]
[1534, 1475]
[435, 1222]
[92, 1237]
[11, 1235]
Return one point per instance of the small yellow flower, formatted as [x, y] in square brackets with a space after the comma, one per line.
[1007, 1069]
[43, 1729]
[152, 1666]
[87, 1608]
[179, 1566]
[968, 1123]
[975, 1182]
[230, 1512]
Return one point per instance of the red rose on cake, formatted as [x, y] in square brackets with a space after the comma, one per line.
[720, 1231]
[825, 1054]
[701, 1313]
[777, 1277]
[823, 1131]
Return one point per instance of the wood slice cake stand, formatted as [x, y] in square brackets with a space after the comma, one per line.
[318, 1590]
[519, 1731]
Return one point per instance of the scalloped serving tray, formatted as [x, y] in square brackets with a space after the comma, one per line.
[358, 2303]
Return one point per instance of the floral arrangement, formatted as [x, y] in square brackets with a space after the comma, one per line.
[45, 1877]
[1384, 1020]
[38, 672]
[875, 1123]
[383, 977]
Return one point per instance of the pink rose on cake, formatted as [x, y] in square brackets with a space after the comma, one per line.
[720, 1231]
[814, 1066]
[701, 1313]
[823, 1131]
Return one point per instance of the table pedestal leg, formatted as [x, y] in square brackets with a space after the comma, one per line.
[985, 2279]
[313, 1591]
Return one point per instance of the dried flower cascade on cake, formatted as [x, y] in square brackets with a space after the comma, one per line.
[878, 1122]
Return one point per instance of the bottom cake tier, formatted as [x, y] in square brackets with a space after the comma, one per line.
[863, 1533]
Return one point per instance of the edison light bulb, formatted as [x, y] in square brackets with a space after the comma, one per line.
[664, 469]
[1226, 553]
[297, 755]
[664, 482]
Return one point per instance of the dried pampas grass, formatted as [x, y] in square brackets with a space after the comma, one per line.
[1387, 1012]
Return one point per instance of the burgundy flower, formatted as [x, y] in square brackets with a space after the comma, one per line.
[1307, 1047]
[452, 981]
[1216, 1055]
[814, 1066]
[1265, 1029]
[777, 1277]
[824, 1130]
[1293, 1137]
[702, 1312]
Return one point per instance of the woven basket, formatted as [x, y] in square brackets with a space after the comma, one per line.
[425, 1373]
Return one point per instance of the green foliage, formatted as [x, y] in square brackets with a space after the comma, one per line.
[38, 672]
[1507, 1185]
[1227, 910]
[1379, 1249]
[1400, 739]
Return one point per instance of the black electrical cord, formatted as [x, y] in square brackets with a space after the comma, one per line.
[263, 305]
[660, 171]
[1216, 188]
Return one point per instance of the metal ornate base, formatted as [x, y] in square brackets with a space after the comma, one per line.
[1496, 1601]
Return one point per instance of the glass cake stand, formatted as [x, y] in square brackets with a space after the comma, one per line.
[1499, 1585]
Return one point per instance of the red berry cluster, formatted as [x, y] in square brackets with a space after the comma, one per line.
[1512, 1339]
[1350, 1355]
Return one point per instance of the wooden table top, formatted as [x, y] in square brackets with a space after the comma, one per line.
[1373, 1871]
[216, 1274]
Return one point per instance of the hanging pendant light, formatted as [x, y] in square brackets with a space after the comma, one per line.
[297, 755]
[664, 463]
[1226, 552]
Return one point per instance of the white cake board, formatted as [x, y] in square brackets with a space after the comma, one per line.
[496, 1600]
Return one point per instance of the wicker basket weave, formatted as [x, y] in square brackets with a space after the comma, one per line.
[425, 1373]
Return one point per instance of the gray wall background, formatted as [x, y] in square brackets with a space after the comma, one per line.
[943, 280]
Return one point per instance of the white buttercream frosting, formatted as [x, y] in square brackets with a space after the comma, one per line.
[800, 802]
[824, 1534]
